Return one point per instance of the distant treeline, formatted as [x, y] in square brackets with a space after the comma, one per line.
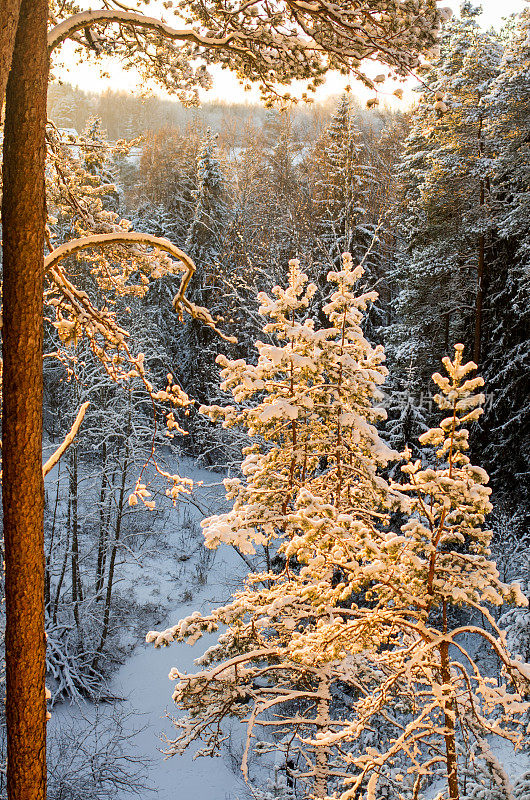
[126, 115]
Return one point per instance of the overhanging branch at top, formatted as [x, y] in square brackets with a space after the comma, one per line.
[78, 22]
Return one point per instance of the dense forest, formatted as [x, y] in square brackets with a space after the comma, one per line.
[431, 200]
[341, 254]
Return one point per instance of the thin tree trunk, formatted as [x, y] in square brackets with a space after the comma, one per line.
[9, 11]
[449, 717]
[320, 787]
[49, 556]
[77, 593]
[103, 526]
[112, 560]
[63, 569]
[23, 216]
[479, 302]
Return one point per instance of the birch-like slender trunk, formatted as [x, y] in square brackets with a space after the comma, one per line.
[121, 506]
[104, 522]
[74, 555]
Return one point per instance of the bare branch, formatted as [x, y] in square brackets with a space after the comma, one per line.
[53, 460]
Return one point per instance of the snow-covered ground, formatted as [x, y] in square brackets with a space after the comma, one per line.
[143, 679]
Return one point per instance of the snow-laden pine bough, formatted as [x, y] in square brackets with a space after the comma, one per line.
[353, 652]
[273, 43]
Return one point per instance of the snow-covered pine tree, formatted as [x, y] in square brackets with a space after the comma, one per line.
[206, 244]
[96, 152]
[163, 204]
[163, 201]
[343, 179]
[506, 354]
[265, 52]
[286, 199]
[406, 418]
[312, 497]
[521, 789]
[445, 223]
[279, 788]
[271, 218]
[484, 778]
[438, 563]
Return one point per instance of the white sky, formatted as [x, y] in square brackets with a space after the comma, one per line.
[226, 87]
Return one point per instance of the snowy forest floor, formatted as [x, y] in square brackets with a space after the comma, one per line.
[180, 580]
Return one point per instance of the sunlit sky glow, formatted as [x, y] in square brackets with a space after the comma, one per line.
[87, 75]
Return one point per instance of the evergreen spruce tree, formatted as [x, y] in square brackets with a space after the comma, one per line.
[206, 244]
[285, 200]
[343, 180]
[446, 218]
[505, 443]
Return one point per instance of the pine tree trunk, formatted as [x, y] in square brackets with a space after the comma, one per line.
[9, 10]
[320, 787]
[449, 723]
[479, 302]
[23, 487]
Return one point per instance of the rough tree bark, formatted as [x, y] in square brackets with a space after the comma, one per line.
[23, 490]
[9, 10]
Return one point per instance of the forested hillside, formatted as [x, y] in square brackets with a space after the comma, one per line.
[265, 293]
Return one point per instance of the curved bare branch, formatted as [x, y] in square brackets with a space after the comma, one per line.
[52, 461]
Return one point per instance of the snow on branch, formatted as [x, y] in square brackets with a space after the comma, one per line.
[85, 19]
[52, 461]
[273, 44]
[119, 237]
[123, 238]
